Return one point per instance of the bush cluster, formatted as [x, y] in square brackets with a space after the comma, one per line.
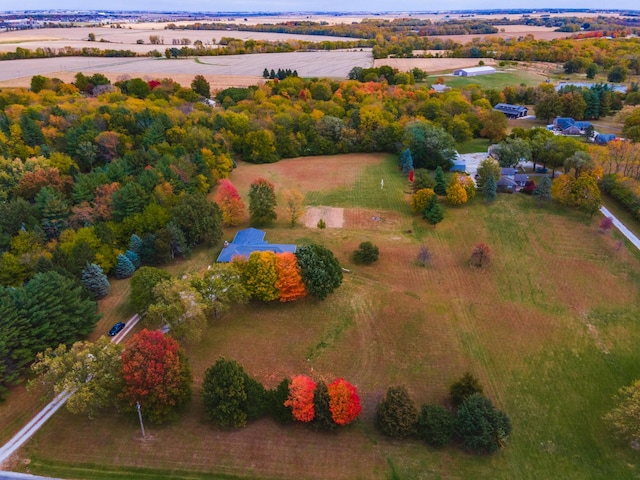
[474, 422]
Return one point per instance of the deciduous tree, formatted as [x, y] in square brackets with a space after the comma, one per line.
[456, 194]
[481, 255]
[221, 286]
[143, 282]
[344, 402]
[420, 199]
[260, 276]
[321, 271]
[262, 202]
[156, 374]
[289, 282]
[91, 371]
[233, 209]
[293, 202]
[199, 219]
[300, 400]
[397, 415]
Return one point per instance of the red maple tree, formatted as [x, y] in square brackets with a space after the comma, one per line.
[289, 283]
[300, 399]
[344, 402]
[233, 209]
[156, 375]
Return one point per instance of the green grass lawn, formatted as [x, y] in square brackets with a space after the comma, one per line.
[549, 327]
[498, 80]
[475, 145]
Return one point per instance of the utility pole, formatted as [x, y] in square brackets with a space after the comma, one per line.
[140, 417]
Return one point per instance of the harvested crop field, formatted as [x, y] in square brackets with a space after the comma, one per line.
[127, 38]
[246, 68]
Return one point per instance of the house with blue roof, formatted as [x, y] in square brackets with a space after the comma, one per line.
[248, 241]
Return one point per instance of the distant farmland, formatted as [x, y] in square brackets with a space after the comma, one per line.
[221, 71]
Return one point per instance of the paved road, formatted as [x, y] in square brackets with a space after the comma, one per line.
[620, 226]
[47, 412]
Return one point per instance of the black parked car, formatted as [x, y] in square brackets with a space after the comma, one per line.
[116, 328]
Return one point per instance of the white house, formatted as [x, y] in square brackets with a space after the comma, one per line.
[474, 71]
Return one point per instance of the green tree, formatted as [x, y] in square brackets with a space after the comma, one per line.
[142, 283]
[618, 74]
[180, 307]
[94, 280]
[396, 415]
[199, 219]
[91, 371]
[124, 267]
[433, 213]
[435, 425]
[482, 427]
[322, 419]
[623, 419]
[262, 202]
[422, 179]
[229, 394]
[431, 146]
[128, 200]
[490, 189]
[548, 106]
[513, 151]
[441, 185]
[201, 86]
[406, 161]
[543, 189]
[631, 129]
[463, 388]
[365, 254]
[320, 269]
[221, 287]
[276, 398]
[494, 125]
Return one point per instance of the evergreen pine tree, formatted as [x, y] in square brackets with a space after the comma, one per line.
[124, 267]
[323, 419]
[135, 243]
[433, 213]
[265, 73]
[489, 189]
[94, 280]
[406, 161]
[134, 257]
[441, 184]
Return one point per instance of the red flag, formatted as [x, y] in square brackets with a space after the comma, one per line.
[411, 176]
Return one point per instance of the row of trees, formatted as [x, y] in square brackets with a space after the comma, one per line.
[186, 304]
[475, 422]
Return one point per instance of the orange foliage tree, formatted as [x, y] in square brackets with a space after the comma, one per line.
[344, 402]
[300, 399]
[156, 374]
[233, 209]
[289, 283]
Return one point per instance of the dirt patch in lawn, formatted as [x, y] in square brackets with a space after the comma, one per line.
[333, 217]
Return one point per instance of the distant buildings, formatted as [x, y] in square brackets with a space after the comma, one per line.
[512, 111]
[611, 86]
[474, 71]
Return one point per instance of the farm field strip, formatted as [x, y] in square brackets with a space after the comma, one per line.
[308, 64]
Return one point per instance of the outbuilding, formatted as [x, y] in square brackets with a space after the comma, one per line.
[474, 71]
[512, 111]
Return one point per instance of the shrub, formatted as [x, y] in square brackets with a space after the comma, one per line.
[606, 224]
[482, 427]
[423, 179]
[463, 388]
[420, 199]
[366, 254]
[397, 415]
[481, 255]
[424, 256]
[435, 425]
[321, 224]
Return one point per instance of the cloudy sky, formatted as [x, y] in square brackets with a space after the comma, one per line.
[305, 5]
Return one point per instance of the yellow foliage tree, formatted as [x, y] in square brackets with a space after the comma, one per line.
[456, 194]
[469, 186]
[260, 276]
[420, 199]
[293, 203]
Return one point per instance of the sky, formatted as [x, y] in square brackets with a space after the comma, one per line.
[306, 5]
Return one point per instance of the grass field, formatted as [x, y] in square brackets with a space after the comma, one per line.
[498, 80]
[549, 328]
